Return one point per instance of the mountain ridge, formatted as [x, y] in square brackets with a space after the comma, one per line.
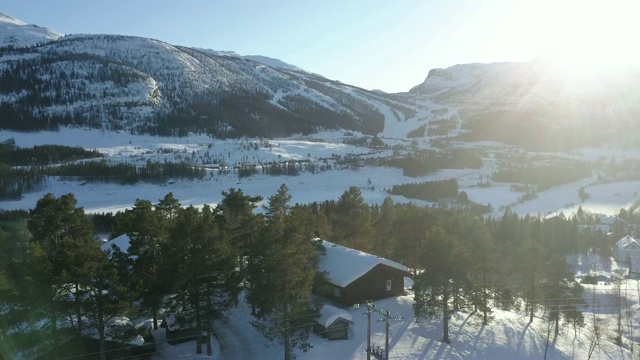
[17, 33]
[144, 85]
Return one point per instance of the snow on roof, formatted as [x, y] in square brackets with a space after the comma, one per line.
[122, 242]
[345, 265]
[625, 242]
[329, 314]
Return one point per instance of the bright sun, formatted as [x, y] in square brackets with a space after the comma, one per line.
[581, 36]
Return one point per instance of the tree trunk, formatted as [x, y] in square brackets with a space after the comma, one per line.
[287, 343]
[532, 306]
[155, 320]
[78, 312]
[485, 305]
[445, 313]
[103, 355]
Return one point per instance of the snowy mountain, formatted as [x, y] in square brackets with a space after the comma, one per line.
[143, 85]
[16, 33]
[539, 104]
[274, 63]
[149, 86]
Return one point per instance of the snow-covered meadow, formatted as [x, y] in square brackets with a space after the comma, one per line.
[304, 188]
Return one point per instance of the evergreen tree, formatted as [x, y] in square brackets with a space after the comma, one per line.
[560, 292]
[530, 268]
[351, 221]
[236, 218]
[204, 263]
[62, 240]
[107, 299]
[409, 231]
[483, 265]
[147, 251]
[286, 264]
[278, 206]
[443, 262]
[168, 207]
[383, 228]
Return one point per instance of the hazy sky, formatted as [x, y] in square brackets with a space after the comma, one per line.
[376, 44]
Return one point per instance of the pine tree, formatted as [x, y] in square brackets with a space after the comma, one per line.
[107, 299]
[443, 263]
[286, 264]
[236, 218]
[147, 251]
[206, 281]
[62, 239]
[483, 265]
[383, 226]
[351, 221]
[409, 231]
[168, 207]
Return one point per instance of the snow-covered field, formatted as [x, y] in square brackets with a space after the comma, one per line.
[304, 188]
[507, 336]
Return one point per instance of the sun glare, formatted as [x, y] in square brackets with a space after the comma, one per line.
[582, 37]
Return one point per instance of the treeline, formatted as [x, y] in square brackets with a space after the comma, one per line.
[42, 155]
[427, 161]
[22, 169]
[193, 261]
[153, 172]
[428, 191]
[14, 182]
[543, 176]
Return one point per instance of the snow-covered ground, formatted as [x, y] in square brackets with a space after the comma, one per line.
[509, 335]
[305, 188]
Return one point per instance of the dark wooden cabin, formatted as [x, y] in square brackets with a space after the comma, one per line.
[356, 276]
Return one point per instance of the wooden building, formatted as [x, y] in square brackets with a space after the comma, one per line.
[334, 323]
[356, 276]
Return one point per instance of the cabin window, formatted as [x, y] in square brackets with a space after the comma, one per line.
[388, 285]
[337, 292]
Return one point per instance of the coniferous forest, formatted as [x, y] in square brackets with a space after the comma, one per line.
[56, 282]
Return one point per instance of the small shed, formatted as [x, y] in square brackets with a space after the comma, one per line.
[334, 323]
[356, 276]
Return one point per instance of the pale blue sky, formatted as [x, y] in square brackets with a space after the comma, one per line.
[376, 44]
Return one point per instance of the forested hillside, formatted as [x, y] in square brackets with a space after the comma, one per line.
[142, 85]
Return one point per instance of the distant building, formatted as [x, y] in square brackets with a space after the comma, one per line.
[121, 242]
[628, 251]
[356, 276]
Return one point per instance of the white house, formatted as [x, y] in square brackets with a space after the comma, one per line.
[628, 251]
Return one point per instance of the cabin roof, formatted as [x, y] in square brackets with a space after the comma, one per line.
[345, 265]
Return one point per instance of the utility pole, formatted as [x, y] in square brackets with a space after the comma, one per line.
[377, 351]
[370, 308]
[386, 316]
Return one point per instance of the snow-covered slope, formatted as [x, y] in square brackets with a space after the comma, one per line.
[541, 104]
[17, 34]
[540, 80]
[118, 82]
[274, 63]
